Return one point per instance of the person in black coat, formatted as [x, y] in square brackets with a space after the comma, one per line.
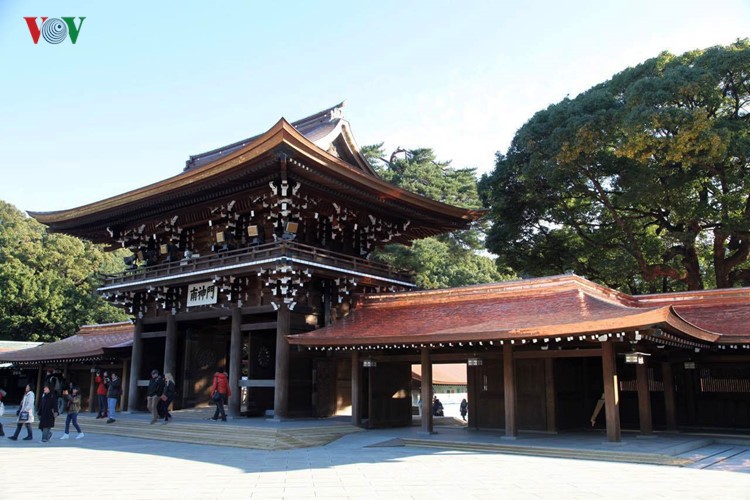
[437, 407]
[167, 397]
[47, 413]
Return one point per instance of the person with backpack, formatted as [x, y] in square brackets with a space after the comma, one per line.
[220, 393]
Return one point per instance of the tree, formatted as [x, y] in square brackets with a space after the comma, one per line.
[641, 182]
[48, 281]
[446, 260]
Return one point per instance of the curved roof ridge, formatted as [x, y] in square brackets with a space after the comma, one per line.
[186, 177]
[693, 296]
[100, 325]
[548, 284]
[321, 117]
[282, 133]
[692, 328]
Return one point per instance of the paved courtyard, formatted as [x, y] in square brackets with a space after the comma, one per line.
[112, 467]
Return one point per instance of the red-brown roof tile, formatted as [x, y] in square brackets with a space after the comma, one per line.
[89, 342]
[535, 308]
[443, 374]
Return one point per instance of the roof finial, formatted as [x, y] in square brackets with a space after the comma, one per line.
[338, 110]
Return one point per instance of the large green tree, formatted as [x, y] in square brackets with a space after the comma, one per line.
[641, 182]
[447, 260]
[48, 281]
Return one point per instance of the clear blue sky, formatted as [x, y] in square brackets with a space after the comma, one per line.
[148, 83]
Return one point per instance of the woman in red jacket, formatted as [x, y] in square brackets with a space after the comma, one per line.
[220, 393]
[101, 393]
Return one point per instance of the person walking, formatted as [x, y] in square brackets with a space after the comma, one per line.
[464, 408]
[155, 390]
[101, 393]
[114, 390]
[437, 407]
[47, 413]
[220, 393]
[25, 415]
[167, 397]
[2, 410]
[73, 406]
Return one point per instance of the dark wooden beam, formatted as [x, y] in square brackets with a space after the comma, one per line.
[235, 362]
[669, 396]
[253, 327]
[92, 392]
[125, 381]
[170, 345]
[39, 379]
[461, 357]
[611, 394]
[553, 354]
[135, 365]
[207, 314]
[644, 399]
[154, 335]
[281, 391]
[356, 390]
[509, 381]
[426, 391]
[549, 390]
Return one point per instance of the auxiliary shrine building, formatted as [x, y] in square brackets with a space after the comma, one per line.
[255, 259]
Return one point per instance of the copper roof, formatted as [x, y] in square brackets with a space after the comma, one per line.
[321, 128]
[223, 167]
[443, 374]
[530, 309]
[89, 342]
[10, 345]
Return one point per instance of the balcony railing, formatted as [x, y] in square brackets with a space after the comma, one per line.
[256, 256]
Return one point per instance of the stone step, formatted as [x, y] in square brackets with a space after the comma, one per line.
[611, 456]
[712, 455]
[220, 433]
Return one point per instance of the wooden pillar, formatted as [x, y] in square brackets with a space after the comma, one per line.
[170, 345]
[426, 392]
[644, 398]
[39, 379]
[281, 391]
[235, 362]
[188, 377]
[669, 396]
[549, 389]
[611, 392]
[92, 391]
[356, 389]
[125, 385]
[136, 358]
[509, 380]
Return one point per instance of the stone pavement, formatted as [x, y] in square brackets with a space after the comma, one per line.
[352, 467]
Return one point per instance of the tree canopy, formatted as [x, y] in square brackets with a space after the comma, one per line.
[641, 182]
[48, 281]
[446, 260]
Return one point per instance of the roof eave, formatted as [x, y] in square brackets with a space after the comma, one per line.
[282, 133]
